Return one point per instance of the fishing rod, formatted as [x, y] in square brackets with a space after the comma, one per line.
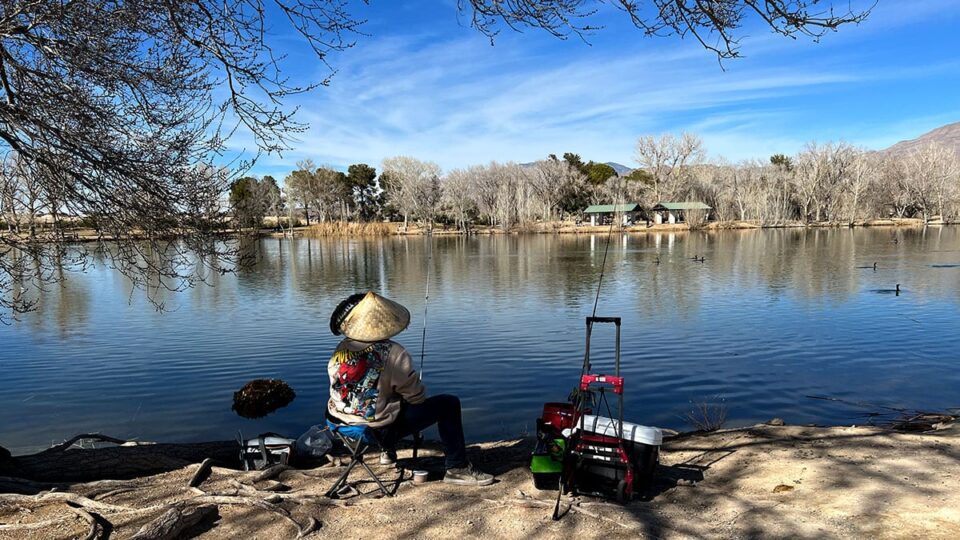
[577, 395]
[426, 300]
[603, 264]
[606, 248]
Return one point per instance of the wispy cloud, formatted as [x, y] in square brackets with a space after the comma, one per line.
[454, 99]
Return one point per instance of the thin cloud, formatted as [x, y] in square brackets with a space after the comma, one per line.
[458, 101]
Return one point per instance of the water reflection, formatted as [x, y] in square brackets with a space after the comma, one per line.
[768, 317]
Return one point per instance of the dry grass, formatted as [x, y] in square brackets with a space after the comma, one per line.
[343, 228]
[707, 415]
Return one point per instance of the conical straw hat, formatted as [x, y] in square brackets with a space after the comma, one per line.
[374, 319]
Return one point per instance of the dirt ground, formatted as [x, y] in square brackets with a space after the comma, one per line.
[763, 481]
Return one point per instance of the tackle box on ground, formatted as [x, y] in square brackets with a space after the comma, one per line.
[546, 463]
[598, 450]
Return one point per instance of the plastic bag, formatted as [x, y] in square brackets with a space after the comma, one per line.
[315, 443]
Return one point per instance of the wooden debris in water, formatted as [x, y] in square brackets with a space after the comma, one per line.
[900, 419]
[261, 397]
[922, 421]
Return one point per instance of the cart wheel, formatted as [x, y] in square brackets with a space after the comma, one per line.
[622, 491]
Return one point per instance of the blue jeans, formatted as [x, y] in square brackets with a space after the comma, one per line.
[442, 410]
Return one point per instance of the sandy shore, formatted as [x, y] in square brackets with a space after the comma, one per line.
[764, 481]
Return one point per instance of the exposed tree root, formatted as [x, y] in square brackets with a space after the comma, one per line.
[171, 524]
[97, 530]
[62, 463]
[201, 473]
[312, 526]
[261, 490]
[55, 496]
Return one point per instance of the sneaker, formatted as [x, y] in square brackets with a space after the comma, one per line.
[388, 457]
[468, 476]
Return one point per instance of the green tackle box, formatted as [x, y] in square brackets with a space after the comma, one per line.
[546, 463]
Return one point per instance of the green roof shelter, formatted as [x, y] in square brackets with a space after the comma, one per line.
[607, 212]
[675, 212]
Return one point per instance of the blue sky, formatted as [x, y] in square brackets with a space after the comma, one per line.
[423, 83]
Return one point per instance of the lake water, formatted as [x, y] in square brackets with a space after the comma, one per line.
[768, 318]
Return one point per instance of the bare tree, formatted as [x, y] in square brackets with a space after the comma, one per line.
[550, 179]
[325, 193]
[717, 184]
[930, 172]
[300, 186]
[7, 193]
[894, 186]
[504, 177]
[820, 171]
[112, 106]
[667, 159]
[486, 190]
[860, 178]
[412, 187]
[714, 24]
[458, 197]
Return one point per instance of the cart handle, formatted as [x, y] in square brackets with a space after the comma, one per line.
[614, 320]
[616, 382]
[586, 353]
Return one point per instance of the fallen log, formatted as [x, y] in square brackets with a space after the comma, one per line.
[268, 473]
[84, 437]
[171, 524]
[117, 462]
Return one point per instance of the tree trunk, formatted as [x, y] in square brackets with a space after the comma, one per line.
[856, 202]
[172, 523]
[116, 462]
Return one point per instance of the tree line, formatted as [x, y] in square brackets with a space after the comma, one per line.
[114, 113]
[830, 182]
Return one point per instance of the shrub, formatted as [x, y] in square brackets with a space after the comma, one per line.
[707, 415]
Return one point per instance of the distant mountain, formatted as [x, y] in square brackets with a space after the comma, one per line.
[948, 135]
[622, 170]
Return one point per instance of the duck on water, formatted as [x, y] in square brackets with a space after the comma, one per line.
[895, 291]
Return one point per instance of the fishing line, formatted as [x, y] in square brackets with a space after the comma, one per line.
[613, 221]
[426, 299]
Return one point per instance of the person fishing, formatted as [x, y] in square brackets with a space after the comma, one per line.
[373, 382]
